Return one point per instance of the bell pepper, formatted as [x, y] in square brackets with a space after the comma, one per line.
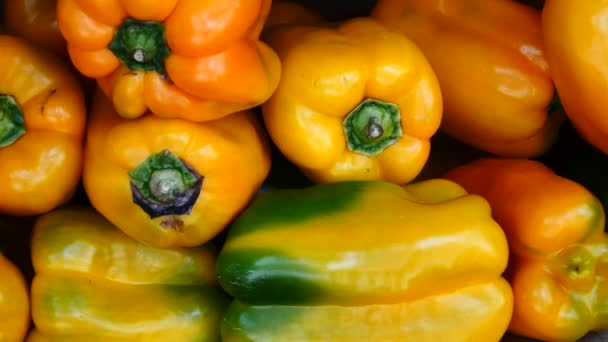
[576, 45]
[36, 21]
[189, 59]
[94, 283]
[42, 124]
[559, 251]
[355, 102]
[14, 302]
[366, 261]
[494, 77]
[171, 182]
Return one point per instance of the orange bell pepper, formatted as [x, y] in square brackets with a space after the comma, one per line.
[172, 182]
[36, 21]
[42, 124]
[14, 302]
[357, 101]
[489, 59]
[576, 44]
[189, 59]
[559, 252]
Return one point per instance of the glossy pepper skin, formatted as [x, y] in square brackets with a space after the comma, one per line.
[576, 45]
[188, 59]
[490, 62]
[559, 251]
[355, 102]
[95, 283]
[36, 21]
[42, 124]
[367, 261]
[171, 182]
[14, 303]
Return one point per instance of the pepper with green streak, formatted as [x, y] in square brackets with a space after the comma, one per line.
[368, 261]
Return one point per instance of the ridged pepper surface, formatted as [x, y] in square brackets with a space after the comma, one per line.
[559, 251]
[94, 283]
[171, 182]
[366, 261]
[356, 101]
[190, 59]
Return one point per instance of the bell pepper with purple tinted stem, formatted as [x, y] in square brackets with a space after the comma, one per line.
[171, 182]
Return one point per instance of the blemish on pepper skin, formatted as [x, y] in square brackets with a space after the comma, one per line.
[172, 222]
[51, 93]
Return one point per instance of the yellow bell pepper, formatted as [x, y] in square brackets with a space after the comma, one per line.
[494, 77]
[94, 283]
[14, 303]
[42, 124]
[355, 102]
[366, 261]
[171, 182]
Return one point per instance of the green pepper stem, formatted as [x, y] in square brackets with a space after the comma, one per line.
[163, 184]
[372, 127]
[141, 45]
[12, 123]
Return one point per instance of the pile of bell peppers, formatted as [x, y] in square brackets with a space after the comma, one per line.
[281, 170]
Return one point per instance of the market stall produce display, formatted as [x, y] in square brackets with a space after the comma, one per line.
[303, 170]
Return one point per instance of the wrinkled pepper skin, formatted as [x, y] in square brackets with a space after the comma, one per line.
[42, 124]
[188, 59]
[489, 59]
[14, 303]
[36, 21]
[94, 283]
[355, 102]
[576, 46]
[171, 182]
[366, 261]
[559, 251]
